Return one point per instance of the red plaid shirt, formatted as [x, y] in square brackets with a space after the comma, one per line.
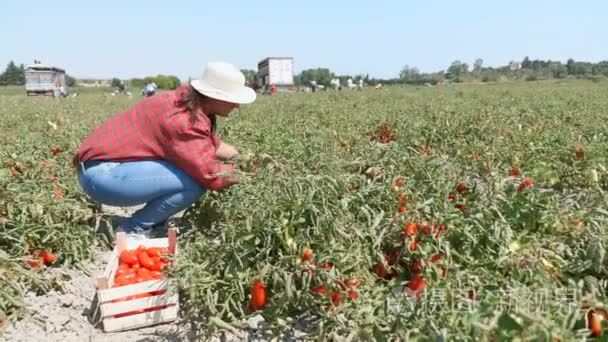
[158, 128]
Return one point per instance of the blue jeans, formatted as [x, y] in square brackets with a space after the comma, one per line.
[162, 186]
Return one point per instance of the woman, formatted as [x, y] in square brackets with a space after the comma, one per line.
[164, 151]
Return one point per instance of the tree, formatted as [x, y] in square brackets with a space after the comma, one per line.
[478, 65]
[320, 75]
[570, 66]
[13, 75]
[558, 70]
[115, 82]
[250, 75]
[408, 74]
[70, 81]
[525, 64]
[457, 68]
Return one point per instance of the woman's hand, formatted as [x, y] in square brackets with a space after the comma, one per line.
[226, 152]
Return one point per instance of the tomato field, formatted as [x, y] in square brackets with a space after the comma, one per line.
[467, 212]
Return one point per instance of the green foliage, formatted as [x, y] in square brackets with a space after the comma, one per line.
[115, 82]
[70, 81]
[320, 75]
[250, 75]
[530, 70]
[168, 82]
[13, 75]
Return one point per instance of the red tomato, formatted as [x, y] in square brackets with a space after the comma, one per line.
[399, 182]
[461, 187]
[525, 183]
[416, 284]
[258, 295]
[156, 274]
[410, 229]
[461, 207]
[123, 280]
[381, 271]
[48, 257]
[394, 257]
[306, 254]
[413, 245]
[594, 323]
[123, 266]
[143, 272]
[336, 297]
[154, 252]
[353, 294]
[122, 271]
[319, 289]
[144, 260]
[128, 257]
[416, 266]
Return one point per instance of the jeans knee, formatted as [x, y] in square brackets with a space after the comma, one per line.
[193, 194]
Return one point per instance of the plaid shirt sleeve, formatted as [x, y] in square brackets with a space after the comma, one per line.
[192, 149]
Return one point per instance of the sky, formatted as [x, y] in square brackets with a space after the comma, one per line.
[133, 38]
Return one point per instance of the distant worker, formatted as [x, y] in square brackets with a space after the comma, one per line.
[350, 84]
[360, 84]
[150, 89]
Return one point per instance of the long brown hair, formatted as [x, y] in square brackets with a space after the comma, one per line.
[193, 101]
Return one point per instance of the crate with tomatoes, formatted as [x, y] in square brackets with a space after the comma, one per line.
[135, 290]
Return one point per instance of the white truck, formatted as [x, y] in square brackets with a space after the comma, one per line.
[46, 80]
[277, 72]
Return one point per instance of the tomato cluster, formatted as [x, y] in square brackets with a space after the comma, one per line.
[385, 133]
[411, 238]
[141, 265]
[343, 288]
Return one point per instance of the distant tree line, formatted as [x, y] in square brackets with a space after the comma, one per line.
[162, 81]
[528, 70]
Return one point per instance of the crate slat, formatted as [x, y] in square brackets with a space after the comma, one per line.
[133, 289]
[110, 309]
[141, 320]
[133, 244]
[107, 280]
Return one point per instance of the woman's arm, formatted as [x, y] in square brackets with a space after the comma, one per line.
[226, 152]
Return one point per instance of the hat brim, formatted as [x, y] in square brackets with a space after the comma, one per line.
[244, 95]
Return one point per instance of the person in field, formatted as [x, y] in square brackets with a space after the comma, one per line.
[150, 89]
[164, 151]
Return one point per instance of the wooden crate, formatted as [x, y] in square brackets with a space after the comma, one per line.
[106, 294]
